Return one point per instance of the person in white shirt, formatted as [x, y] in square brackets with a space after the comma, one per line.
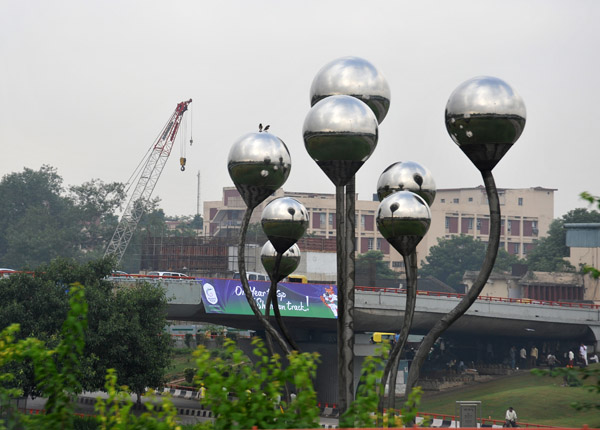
[583, 353]
[511, 418]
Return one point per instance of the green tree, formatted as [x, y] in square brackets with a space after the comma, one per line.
[142, 352]
[97, 203]
[450, 258]
[550, 251]
[37, 223]
[40, 220]
[373, 261]
[125, 325]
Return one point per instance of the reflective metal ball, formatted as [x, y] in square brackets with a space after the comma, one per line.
[485, 117]
[258, 163]
[356, 77]
[284, 221]
[407, 176]
[403, 218]
[340, 134]
[289, 260]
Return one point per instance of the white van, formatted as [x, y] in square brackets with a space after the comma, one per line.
[253, 276]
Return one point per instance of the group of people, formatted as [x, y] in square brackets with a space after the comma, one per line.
[523, 361]
[531, 361]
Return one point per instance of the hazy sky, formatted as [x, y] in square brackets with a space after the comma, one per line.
[87, 85]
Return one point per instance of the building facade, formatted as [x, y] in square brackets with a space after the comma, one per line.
[526, 217]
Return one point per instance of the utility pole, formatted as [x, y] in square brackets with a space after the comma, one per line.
[198, 195]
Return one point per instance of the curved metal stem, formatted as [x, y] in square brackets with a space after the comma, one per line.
[391, 368]
[488, 264]
[272, 299]
[340, 234]
[348, 314]
[246, 287]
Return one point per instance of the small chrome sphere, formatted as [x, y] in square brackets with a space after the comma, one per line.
[258, 163]
[403, 218]
[284, 221]
[485, 117]
[340, 134]
[290, 260]
[407, 176]
[356, 77]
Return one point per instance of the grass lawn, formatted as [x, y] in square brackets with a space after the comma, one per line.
[536, 399]
[181, 359]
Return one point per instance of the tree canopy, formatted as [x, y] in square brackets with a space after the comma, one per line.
[41, 219]
[373, 261]
[125, 325]
[550, 251]
[451, 258]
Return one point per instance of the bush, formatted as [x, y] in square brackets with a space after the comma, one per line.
[189, 373]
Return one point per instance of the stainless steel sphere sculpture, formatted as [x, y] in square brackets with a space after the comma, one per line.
[407, 176]
[258, 163]
[340, 134]
[289, 261]
[356, 77]
[485, 117]
[284, 220]
[403, 218]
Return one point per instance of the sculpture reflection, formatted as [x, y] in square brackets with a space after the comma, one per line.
[407, 176]
[258, 163]
[340, 134]
[485, 117]
[356, 77]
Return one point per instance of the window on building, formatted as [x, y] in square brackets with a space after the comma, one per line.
[370, 244]
[331, 218]
[322, 220]
[447, 223]
[455, 200]
[396, 263]
[478, 225]
[520, 200]
[470, 224]
[362, 222]
[470, 199]
[443, 200]
[515, 248]
[379, 244]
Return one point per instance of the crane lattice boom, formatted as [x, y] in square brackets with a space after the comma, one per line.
[140, 198]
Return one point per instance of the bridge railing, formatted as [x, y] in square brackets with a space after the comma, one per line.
[484, 298]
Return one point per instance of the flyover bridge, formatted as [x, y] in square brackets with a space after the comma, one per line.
[501, 322]
[382, 309]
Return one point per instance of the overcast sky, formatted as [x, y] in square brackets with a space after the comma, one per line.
[87, 85]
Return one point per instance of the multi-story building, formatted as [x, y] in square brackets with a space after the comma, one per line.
[526, 216]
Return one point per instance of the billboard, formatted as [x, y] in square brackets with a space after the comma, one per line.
[226, 296]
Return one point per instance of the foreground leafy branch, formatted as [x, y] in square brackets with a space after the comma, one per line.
[243, 394]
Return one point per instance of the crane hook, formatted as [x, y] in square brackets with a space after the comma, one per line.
[182, 161]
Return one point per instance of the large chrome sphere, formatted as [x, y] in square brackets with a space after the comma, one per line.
[284, 221]
[484, 117]
[340, 134]
[258, 163]
[290, 260]
[403, 218]
[407, 176]
[356, 77]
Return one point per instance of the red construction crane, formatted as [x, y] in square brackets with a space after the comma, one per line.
[153, 167]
